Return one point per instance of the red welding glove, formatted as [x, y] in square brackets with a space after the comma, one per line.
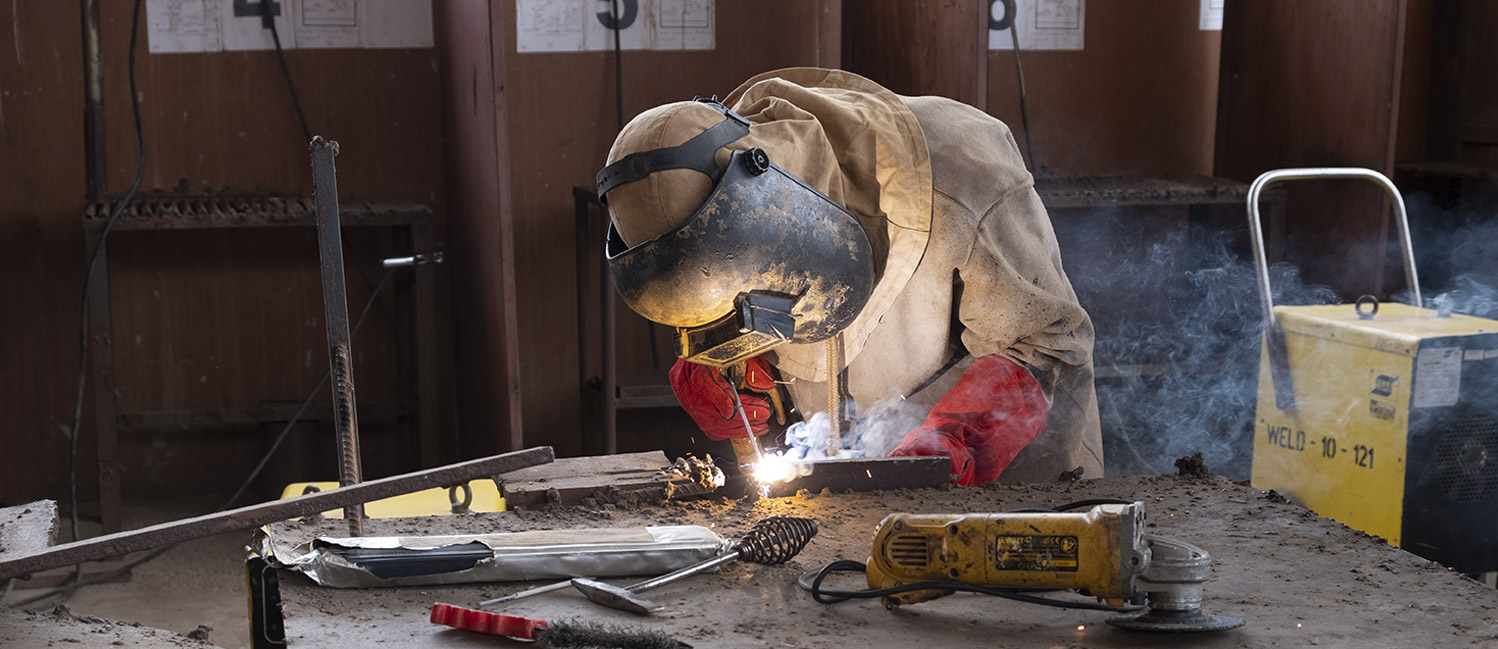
[995, 409]
[707, 396]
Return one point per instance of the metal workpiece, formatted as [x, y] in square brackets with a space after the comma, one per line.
[1256, 227]
[168, 533]
[335, 309]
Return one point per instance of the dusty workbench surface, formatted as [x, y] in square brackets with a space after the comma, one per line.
[60, 628]
[1297, 579]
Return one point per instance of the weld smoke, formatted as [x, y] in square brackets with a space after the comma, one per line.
[1178, 363]
[1178, 321]
[874, 431]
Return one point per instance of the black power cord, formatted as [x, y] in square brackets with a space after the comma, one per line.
[296, 102]
[1024, 114]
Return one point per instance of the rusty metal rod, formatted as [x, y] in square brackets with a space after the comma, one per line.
[335, 309]
[186, 529]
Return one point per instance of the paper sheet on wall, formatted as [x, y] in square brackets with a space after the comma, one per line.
[1041, 24]
[1438, 377]
[1211, 15]
[588, 25]
[227, 25]
[183, 26]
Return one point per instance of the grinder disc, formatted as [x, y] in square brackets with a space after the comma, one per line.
[1168, 621]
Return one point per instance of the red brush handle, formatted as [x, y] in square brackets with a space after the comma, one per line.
[485, 622]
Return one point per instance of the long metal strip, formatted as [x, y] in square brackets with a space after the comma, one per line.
[186, 529]
[834, 398]
[335, 310]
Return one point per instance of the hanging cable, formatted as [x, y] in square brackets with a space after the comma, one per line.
[93, 261]
[618, 72]
[296, 102]
[1024, 113]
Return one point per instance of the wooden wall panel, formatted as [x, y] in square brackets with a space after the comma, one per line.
[1448, 107]
[1140, 98]
[41, 252]
[204, 319]
[561, 124]
[471, 39]
[1479, 104]
[1412, 140]
[926, 47]
[1316, 84]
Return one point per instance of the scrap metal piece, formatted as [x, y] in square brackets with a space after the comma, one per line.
[863, 474]
[630, 477]
[335, 310]
[186, 529]
[29, 527]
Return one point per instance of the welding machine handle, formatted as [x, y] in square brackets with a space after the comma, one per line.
[1311, 173]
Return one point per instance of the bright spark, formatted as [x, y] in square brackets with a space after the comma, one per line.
[773, 468]
[1081, 627]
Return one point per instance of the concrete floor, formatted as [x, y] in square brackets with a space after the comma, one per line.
[197, 583]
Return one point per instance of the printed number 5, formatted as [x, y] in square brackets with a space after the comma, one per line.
[630, 9]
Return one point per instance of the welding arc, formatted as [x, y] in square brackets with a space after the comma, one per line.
[811, 581]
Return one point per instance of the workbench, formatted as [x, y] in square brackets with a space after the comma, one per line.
[1298, 580]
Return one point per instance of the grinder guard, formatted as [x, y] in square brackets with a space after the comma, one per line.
[766, 260]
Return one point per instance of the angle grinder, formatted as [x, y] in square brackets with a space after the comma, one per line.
[1103, 552]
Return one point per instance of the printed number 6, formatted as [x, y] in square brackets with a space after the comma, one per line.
[998, 25]
[631, 11]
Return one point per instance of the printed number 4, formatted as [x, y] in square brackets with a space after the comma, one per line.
[629, 10]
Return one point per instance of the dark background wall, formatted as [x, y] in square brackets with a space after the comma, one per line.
[494, 140]
[202, 320]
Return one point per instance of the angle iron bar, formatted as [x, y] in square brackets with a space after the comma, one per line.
[335, 311]
[186, 529]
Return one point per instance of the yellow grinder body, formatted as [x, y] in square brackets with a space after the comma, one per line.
[1099, 551]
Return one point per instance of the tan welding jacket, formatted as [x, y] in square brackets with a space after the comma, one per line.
[968, 260]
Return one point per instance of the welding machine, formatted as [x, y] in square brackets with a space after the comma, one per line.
[1383, 417]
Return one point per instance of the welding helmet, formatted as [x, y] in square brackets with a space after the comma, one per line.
[765, 260]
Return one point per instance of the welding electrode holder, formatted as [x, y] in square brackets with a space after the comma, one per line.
[772, 540]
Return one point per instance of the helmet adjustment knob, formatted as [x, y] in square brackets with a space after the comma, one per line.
[757, 161]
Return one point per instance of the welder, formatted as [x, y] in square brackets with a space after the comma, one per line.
[815, 227]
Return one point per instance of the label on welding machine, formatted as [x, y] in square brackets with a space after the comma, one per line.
[1046, 553]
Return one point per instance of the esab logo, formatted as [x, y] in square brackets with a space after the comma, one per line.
[1384, 385]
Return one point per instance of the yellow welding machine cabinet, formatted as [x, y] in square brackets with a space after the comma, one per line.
[1392, 428]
